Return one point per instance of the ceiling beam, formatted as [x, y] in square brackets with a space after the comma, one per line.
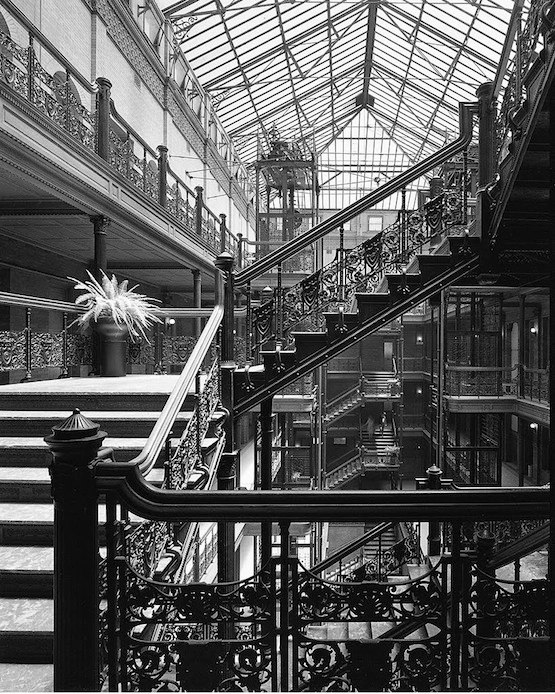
[278, 49]
[369, 51]
[30, 207]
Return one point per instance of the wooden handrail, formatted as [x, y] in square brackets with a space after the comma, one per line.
[140, 497]
[466, 112]
[147, 457]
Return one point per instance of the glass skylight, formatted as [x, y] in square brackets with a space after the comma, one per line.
[368, 86]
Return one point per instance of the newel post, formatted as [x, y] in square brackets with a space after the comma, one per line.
[103, 117]
[225, 262]
[74, 446]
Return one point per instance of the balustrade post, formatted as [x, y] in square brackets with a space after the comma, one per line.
[199, 205]
[239, 250]
[64, 372]
[28, 347]
[223, 234]
[103, 118]
[162, 175]
[434, 533]
[224, 262]
[74, 446]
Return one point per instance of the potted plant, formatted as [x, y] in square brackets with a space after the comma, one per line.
[115, 312]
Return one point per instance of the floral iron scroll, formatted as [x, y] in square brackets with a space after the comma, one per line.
[361, 269]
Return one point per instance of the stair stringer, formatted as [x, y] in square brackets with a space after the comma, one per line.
[257, 395]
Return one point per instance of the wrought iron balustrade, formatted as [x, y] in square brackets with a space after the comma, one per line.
[361, 269]
[528, 41]
[535, 384]
[188, 458]
[86, 113]
[280, 629]
[479, 381]
[382, 561]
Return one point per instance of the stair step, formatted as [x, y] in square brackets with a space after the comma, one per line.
[26, 646]
[135, 391]
[26, 677]
[26, 584]
[369, 305]
[117, 423]
[31, 451]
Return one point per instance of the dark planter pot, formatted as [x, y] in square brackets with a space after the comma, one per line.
[113, 347]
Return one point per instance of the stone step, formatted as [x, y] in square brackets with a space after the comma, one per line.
[133, 392]
[116, 423]
[26, 677]
[32, 524]
[26, 630]
[26, 571]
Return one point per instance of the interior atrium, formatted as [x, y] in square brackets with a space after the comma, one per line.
[275, 313]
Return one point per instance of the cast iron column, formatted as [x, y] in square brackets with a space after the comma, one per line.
[100, 224]
[197, 299]
[226, 530]
[266, 433]
[74, 445]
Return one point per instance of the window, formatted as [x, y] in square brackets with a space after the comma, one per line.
[375, 225]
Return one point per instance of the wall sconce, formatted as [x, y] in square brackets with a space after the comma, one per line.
[419, 391]
[533, 329]
[419, 340]
[533, 426]
[169, 322]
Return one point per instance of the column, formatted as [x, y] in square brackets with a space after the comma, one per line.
[197, 299]
[266, 433]
[100, 225]
[226, 530]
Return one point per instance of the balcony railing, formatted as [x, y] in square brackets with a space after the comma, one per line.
[86, 113]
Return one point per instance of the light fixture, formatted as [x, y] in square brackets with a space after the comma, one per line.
[533, 426]
[419, 391]
[170, 321]
[533, 329]
[419, 339]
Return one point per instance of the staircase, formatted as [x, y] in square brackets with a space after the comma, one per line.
[381, 443]
[280, 367]
[27, 413]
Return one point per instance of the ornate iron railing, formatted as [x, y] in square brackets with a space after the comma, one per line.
[361, 269]
[385, 559]
[527, 43]
[535, 384]
[86, 113]
[479, 381]
[362, 460]
[504, 634]
[188, 455]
